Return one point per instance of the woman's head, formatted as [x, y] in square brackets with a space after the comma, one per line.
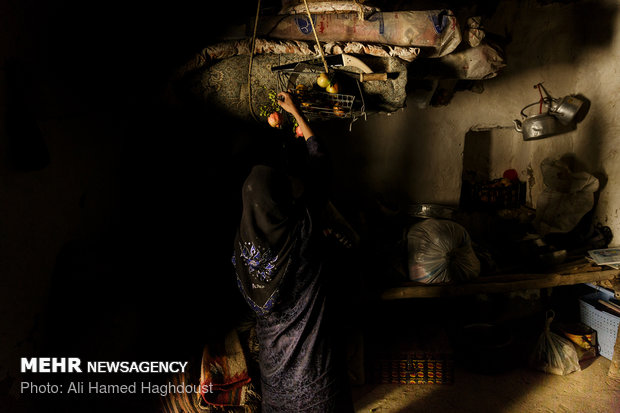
[268, 205]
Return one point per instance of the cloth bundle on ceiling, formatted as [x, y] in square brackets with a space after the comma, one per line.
[329, 6]
[224, 83]
[227, 49]
[435, 30]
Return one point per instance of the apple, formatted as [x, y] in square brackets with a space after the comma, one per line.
[298, 132]
[275, 120]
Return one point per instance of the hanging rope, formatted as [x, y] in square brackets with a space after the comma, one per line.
[318, 44]
[362, 109]
[252, 47]
[542, 99]
[360, 10]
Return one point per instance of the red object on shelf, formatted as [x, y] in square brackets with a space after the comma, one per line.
[511, 174]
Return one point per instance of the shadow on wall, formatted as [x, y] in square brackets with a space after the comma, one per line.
[26, 148]
[477, 153]
[394, 161]
[160, 281]
[593, 152]
[554, 33]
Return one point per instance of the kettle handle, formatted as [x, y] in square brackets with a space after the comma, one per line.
[540, 87]
[518, 125]
[547, 101]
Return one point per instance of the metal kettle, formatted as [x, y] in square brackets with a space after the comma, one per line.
[569, 109]
[541, 125]
[561, 116]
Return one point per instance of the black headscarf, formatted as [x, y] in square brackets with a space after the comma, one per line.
[266, 236]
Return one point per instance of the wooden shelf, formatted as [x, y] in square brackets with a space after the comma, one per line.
[575, 274]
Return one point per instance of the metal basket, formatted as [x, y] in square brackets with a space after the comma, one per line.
[320, 105]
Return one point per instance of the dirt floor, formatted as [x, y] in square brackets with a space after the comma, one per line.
[518, 391]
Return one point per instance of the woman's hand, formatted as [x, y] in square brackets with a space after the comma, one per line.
[285, 100]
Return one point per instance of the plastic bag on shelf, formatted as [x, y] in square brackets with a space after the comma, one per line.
[553, 353]
[567, 197]
[440, 251]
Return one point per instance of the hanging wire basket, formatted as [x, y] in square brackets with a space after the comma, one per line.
[316, 104]
[321, 105]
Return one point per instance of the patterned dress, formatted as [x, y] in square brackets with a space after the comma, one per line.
[297, 357]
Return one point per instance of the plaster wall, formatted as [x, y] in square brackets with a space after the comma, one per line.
[416, 155]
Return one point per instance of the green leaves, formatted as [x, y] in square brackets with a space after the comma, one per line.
[271, 106]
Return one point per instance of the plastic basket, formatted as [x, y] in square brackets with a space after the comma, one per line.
[424, 358]
[414, 368]
[492, 195]
[605, 324]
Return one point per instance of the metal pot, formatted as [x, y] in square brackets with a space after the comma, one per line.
[540, 126]
[537, 126]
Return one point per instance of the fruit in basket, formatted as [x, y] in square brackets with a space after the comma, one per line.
[339, 111]
[300, 90]
[323, 80]
[332, 88]
[275, 120]
[506, 182]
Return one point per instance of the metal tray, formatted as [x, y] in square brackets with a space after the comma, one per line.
[431, 211]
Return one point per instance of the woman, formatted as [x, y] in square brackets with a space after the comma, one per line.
[279, 272]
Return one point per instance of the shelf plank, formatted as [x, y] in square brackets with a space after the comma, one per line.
[497, 284]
